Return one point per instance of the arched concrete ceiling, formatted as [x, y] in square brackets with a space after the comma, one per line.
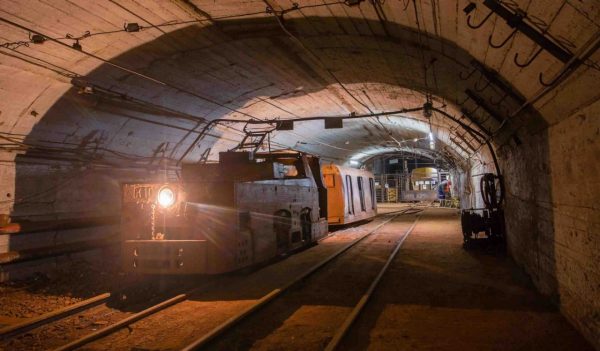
[200, 60]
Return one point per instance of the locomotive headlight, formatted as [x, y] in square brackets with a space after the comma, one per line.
[166, 197]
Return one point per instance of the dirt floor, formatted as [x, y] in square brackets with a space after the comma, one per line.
[437, 296]
[46, 292]
[221, 298]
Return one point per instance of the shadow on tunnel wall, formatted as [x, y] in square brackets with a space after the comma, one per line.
[529, 209]
[88, 144]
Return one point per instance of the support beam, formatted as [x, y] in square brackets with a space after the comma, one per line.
[515, 20]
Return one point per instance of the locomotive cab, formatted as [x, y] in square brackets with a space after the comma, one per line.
[224, 216]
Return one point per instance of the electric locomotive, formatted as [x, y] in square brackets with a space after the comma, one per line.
[221, 217]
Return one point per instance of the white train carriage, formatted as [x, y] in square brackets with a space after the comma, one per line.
[350, 194]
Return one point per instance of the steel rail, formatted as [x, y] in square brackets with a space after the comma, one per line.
[343, 329]
[228, 324]
[131, 319]
[58, 314]
[46, 318]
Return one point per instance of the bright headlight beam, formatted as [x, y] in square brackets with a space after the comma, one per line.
[166, 197]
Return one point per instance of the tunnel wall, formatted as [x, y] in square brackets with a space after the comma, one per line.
[552, 212]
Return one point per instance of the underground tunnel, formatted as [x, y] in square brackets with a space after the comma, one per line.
[358, 174]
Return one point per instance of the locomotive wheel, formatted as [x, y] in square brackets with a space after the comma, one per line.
[306, 225]
[282, 223]
[467, 242]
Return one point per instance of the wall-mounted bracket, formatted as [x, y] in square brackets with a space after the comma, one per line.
[484, 105]
[474, 120]
[493, 77]
[518, 20]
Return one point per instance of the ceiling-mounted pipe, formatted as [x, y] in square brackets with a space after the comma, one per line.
[276, 122]
[123, 68]
[487, 140]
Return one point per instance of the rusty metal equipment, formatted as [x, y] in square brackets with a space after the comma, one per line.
[220, 217]
[488, 220]
[475, 221]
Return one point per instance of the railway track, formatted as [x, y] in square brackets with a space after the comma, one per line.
[105, 304]
[50, 317]
[353, 316]
[230, 322]
[56, 316]
[212, 337]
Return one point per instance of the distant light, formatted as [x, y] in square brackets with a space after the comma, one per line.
[431, 145]
[416, 139]
[86, 90]
[354, 163]
[430, 136]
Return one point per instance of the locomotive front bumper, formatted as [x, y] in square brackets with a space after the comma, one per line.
[164, 256]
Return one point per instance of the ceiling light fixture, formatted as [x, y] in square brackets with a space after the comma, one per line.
[427, 108]
[334, 123]
[285, 125]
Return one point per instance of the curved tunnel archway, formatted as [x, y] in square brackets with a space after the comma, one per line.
[112, 126]
[123, 121]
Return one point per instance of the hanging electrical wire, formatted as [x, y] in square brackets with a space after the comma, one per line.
[136, 27]
[87, 34]
[128, 70]
[86, 87]
[321, 64]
